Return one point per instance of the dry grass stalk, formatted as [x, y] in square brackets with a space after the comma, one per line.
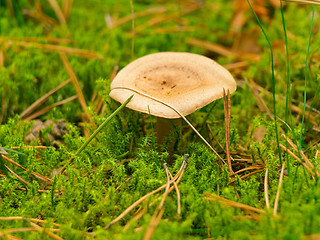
[246, 175]
[176, 178]
[16, 175]
[227, 116]
[37, 147]
[57, 10]
[132, 30]
[3, 104]
[165, 18]
[135, 218]
[154, 222]
[66, 8]
[149, 11]
[42, 99]
[298, 159]
[75, 82]
[156, 217]
[247, 169]
[216, 140]
[266, 195]
[166, 192]
[37, 175]
[301, 153]
[311, 116]
[178, 195]
[173, 29]
[1, 58]
[213, 198]
[10, 237]
[210, 46]
[48, 108]
[18, 218]
[55, 48]
[316, 2]
[237, 65]
[44, 230]
[47, 39]
[276, 201]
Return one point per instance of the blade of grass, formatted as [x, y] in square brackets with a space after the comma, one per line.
[287, 109]
[273, 81]
[305, 82]
[105, 122]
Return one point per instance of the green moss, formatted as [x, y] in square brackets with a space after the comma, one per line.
[120, 165]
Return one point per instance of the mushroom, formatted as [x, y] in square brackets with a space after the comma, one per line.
[171, 83]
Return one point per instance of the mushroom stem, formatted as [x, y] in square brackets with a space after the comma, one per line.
[164, 128]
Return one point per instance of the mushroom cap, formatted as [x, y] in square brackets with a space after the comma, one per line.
[183, 80]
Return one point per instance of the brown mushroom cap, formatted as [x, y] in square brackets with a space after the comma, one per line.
[185, 81]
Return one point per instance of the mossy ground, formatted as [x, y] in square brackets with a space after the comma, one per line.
[121, 164]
